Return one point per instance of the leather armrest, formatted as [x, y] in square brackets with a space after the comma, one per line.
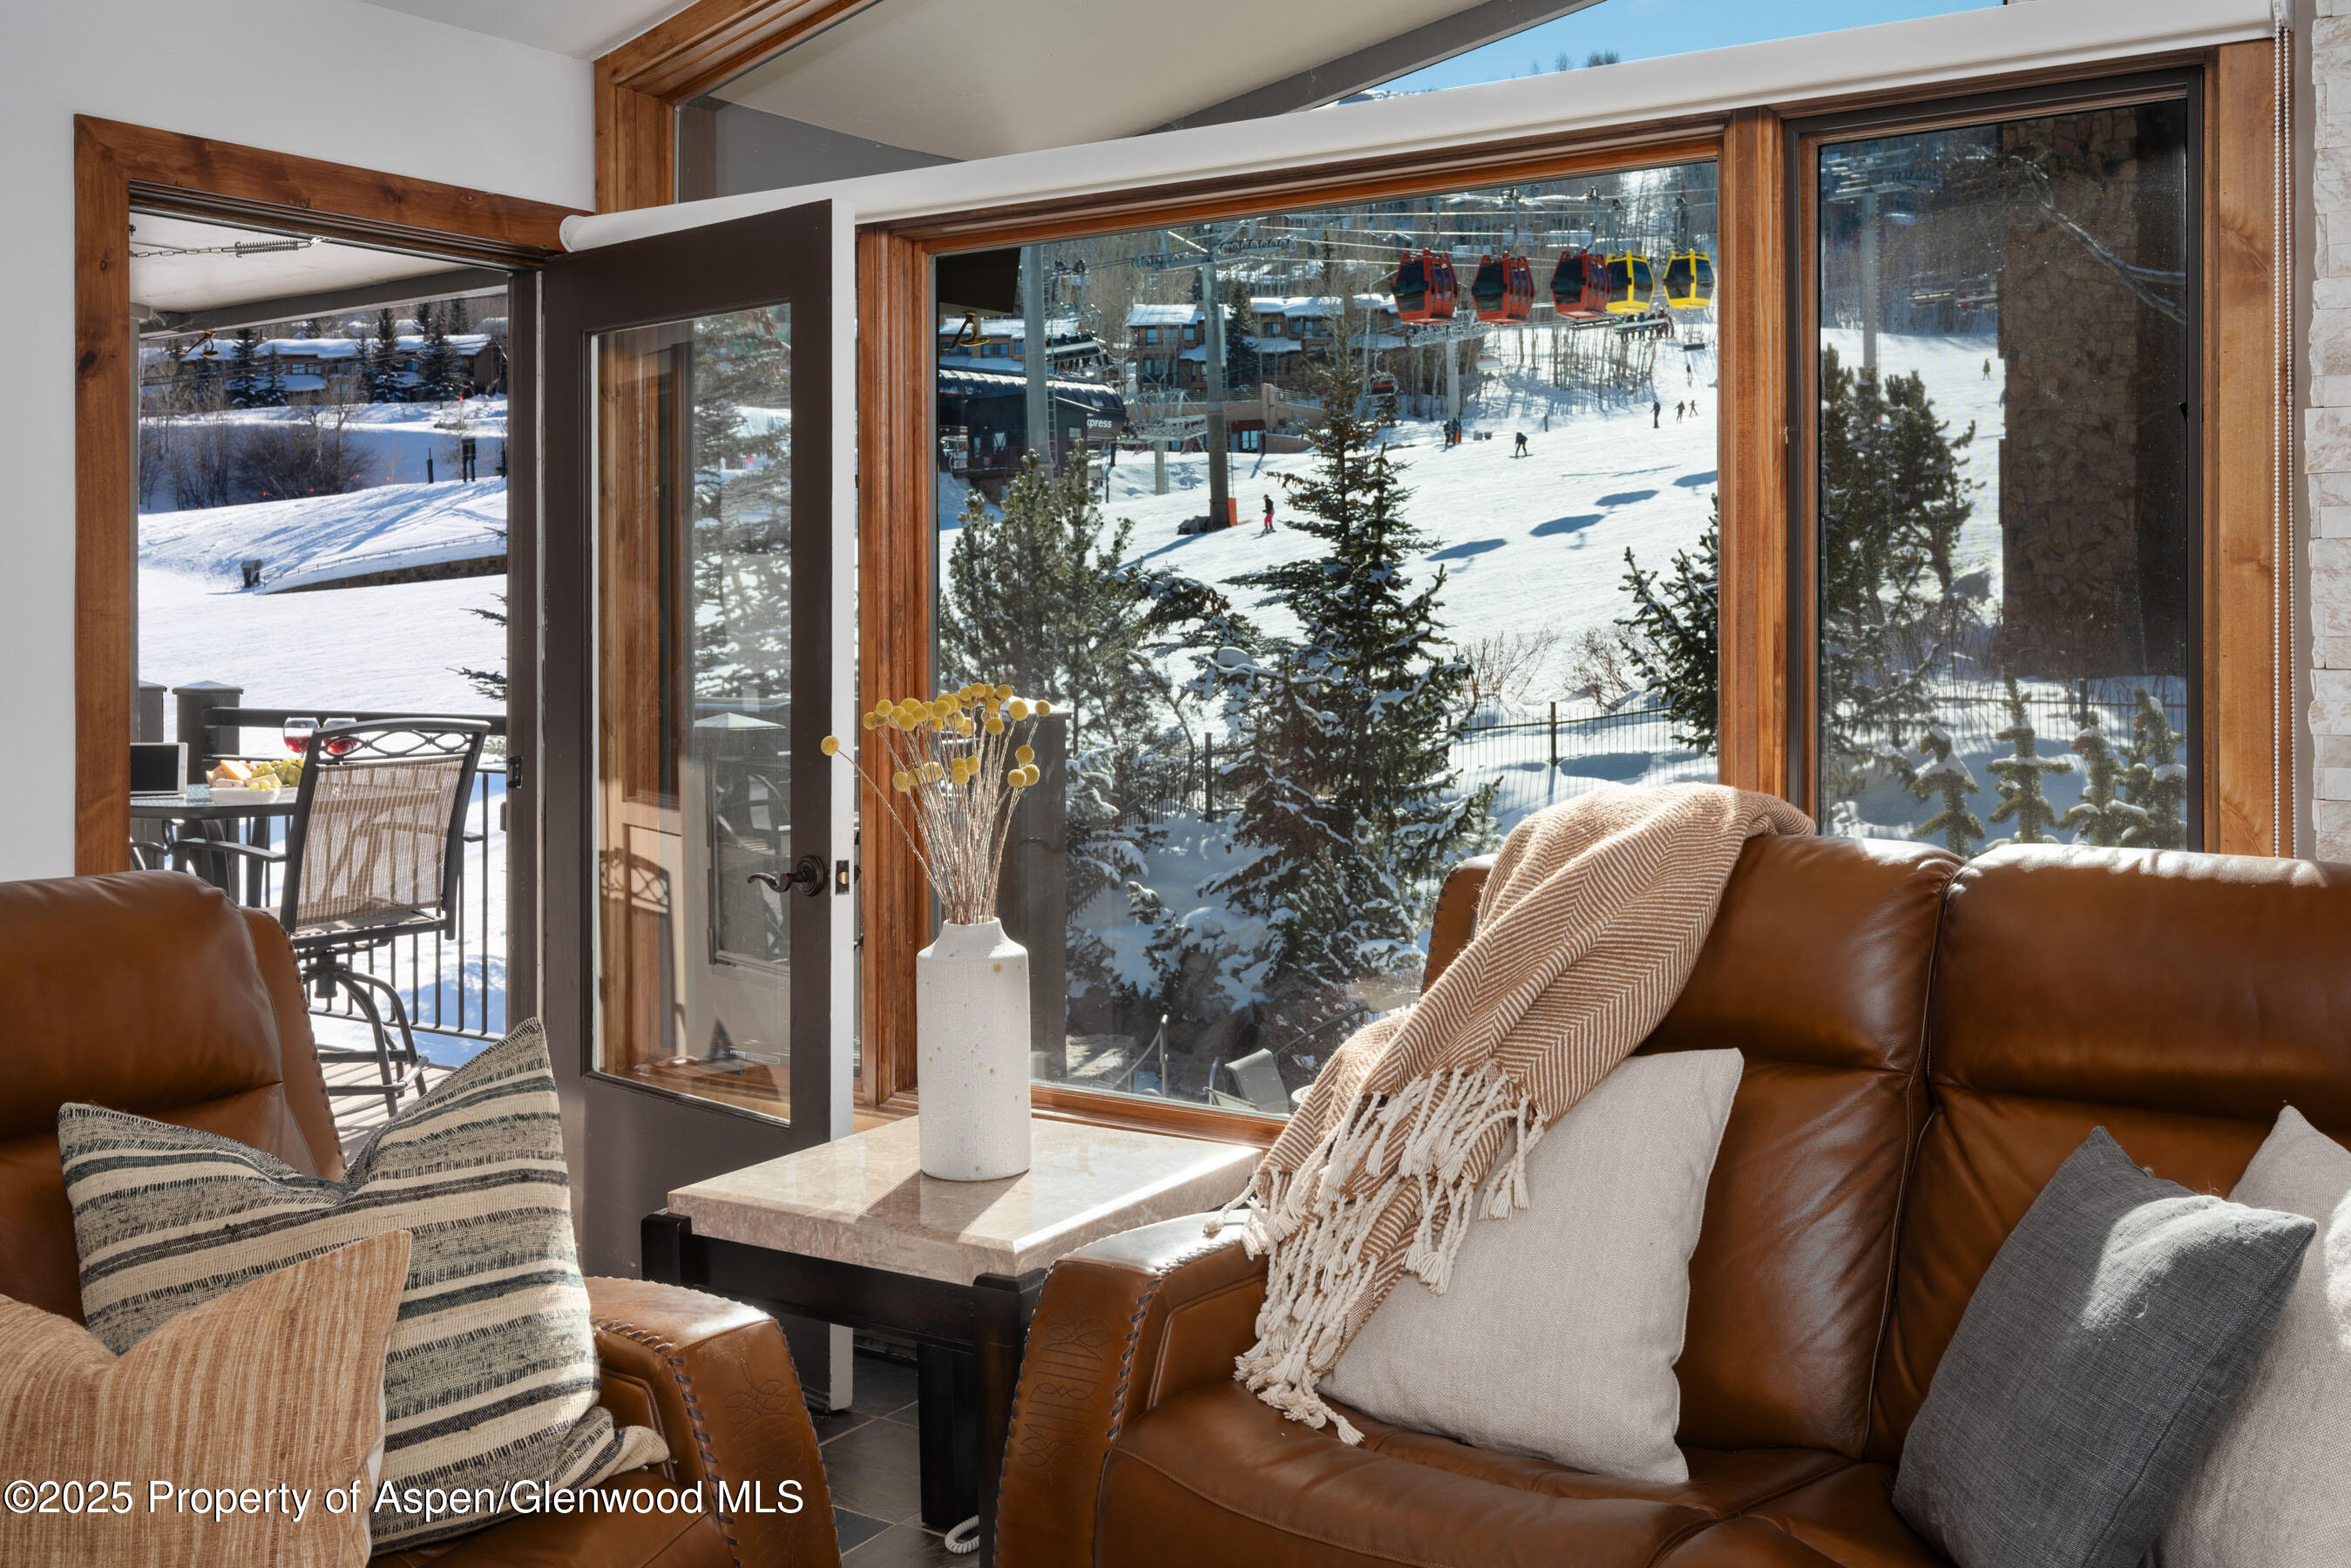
[715, 1378]
[1122, 1325]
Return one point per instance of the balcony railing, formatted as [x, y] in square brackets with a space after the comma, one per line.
[453, 985]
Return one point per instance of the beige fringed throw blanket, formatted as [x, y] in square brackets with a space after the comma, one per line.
[1590, 921]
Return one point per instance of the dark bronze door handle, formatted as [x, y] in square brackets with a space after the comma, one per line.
[806, 875]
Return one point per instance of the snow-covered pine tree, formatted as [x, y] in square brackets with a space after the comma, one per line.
[243, 386]
[1671, 634]
[2019, 774]
[2157, 781]
[1038, 598]
[1349, 806]
[1890, 502]
[2102, 816]
[437, 366]
[1244, 367]
[384, 378]
[1947, 776]
[742, 511]
[270, 389]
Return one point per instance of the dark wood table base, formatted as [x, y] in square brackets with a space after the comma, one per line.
[967, 1343]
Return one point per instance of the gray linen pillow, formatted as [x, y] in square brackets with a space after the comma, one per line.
[2095, 1363]
[491, 1378]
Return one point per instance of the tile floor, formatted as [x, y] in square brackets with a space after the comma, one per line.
[874, 1468]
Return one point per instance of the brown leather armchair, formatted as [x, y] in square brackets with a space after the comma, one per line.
[1925, 1044]
[150, 993]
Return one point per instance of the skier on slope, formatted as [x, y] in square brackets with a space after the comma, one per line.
[1656, 412]
[1268, 518]
[1519, 450]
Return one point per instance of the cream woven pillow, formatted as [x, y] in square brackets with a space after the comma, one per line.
[277, 1385]
[2274, 1490]
[1558, 1333]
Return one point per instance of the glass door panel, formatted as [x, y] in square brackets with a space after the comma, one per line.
[694, 832]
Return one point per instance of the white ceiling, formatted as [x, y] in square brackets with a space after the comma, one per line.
[580, 28]
[182, 265]
[966, 79]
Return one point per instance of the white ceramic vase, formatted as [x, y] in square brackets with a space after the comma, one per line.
[971, 1028]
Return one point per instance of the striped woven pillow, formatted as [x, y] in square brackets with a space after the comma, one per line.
[491, 1379]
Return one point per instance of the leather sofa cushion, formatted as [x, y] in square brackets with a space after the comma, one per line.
[141, 992]
[2178, 1001]
[1722, 1482]
[1213, 1475]
[1848, 1517]
[1817, 970]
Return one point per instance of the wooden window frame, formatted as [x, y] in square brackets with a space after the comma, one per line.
[1765, 560]
[641, 84]
[118, 167]
[2242, 692]
[896, 326]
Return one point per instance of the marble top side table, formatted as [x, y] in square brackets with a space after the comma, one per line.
[852, 1233]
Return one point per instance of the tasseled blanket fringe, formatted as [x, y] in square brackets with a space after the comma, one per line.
[1425, 1137]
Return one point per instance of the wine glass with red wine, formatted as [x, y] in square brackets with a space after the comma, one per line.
[338, 744]
[298, 733]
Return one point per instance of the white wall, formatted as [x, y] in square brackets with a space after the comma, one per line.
[325, 78]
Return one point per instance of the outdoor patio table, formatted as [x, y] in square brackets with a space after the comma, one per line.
[254, 807]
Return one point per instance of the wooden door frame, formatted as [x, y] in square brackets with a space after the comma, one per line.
[641, 84]
[117, 166]
[1765, 673]
[786, 254]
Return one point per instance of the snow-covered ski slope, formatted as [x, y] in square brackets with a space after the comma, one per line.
[1525, 543]
[319, 539]
[343, 649]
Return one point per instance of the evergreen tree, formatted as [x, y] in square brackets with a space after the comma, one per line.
[1671, 634]
[2102, 816]
[436, 367]
[1037, 599]
[1349, 810]
[1244, 367]
[1947, 776]
[383, 360]
[270, 389]
[2157, 782]
[2020, 775]
[245, 369]
[1891, 503]
[741, 551]
[456, 317]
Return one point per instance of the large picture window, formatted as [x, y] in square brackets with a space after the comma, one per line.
[1413, 536]
[2005, 430]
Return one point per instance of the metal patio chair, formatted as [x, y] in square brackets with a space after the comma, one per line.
[374, 853]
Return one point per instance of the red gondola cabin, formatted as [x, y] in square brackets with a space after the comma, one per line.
[1579, 285]
[1504, 288]
[1425, 287]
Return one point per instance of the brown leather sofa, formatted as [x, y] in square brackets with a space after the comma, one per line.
[150, 993]
[1925, 1044]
